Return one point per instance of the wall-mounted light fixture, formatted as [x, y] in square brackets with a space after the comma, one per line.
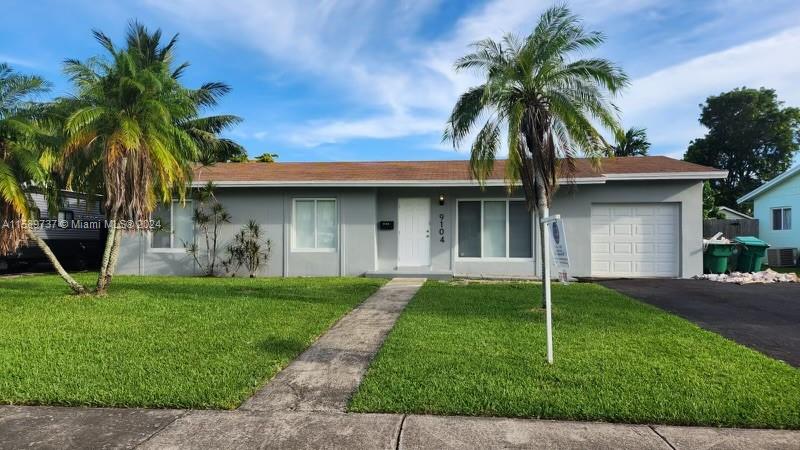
[441, 199]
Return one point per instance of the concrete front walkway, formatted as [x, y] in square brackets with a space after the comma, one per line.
[304, 407]
[326, 375]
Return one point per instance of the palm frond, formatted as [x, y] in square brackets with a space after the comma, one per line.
[484, 151]
[548, 99]
[133, 131]
[466, 111]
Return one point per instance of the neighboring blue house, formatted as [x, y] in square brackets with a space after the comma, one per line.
[776, 205]
[732, 214]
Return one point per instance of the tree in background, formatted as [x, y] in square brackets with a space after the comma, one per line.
[547, 100]
[18, 160]
[264, 158]
[710, 208]
[267, 157]
[27, 138]
[215, 149]
[751, 135]
[240, 158]
[632, 142]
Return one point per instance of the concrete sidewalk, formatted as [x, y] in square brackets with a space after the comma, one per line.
[390, 431]
[59, 428]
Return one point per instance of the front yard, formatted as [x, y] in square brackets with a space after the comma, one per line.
[479, 350]
[160, 341]
[787, 270]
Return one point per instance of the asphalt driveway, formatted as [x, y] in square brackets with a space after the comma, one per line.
[765, 317]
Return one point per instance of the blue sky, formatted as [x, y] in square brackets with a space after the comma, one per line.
[371, 80]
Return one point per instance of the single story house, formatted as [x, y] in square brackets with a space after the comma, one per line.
[629, 217]
[776, 205]
[732, 214]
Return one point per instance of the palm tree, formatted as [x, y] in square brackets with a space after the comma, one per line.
[135, 130]
[205, 131]
[632, 143]
[267, 157]
[24, 164]
[17, 160]
[547, 102]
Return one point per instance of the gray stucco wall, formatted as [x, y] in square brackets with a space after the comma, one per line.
[443, 257]
[364, 248]
[272, 208]
[574, 205]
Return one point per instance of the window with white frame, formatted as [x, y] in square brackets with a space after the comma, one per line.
[174, 227]
[492, 229]
[315, 224]
[781, 218]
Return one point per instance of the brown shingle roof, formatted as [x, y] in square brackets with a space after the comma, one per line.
[410, 171]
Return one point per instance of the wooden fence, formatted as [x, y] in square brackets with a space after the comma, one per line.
[730, 228]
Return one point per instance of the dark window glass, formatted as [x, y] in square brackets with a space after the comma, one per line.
[519, 230]
[777, 216]
[469, 229]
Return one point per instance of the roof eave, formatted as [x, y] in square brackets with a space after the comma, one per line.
[768, 185]
[735, 212]
[381, 183]
[465, 183]
[709, 175]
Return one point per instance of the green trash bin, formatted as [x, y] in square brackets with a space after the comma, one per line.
[715, 258]
[751, 253]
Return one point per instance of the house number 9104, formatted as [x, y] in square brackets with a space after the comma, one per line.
[441, 227]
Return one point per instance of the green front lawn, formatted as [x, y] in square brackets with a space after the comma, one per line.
[160, 341]
[479, 350]
[787, 270]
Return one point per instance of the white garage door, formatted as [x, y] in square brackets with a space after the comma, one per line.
[635, 240]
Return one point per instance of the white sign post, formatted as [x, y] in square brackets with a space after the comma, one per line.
[557, 240]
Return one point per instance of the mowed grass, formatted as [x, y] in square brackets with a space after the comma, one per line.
[479, 349]
[787, 270]
[160, 341]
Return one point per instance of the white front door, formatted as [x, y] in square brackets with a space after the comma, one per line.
[413, 232]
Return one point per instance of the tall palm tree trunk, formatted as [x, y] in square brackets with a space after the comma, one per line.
[74, 285]
[102, 279]
[544, 211]
[113, 258]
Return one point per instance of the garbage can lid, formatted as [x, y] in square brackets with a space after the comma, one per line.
[751, 241]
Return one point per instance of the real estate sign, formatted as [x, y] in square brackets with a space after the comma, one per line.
[558, 243]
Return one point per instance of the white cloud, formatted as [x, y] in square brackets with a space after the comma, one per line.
[380, 127]
[17, 61]
[367, 54]
[335, 40]
[666, 101]
[422, 91]
[368, 48]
